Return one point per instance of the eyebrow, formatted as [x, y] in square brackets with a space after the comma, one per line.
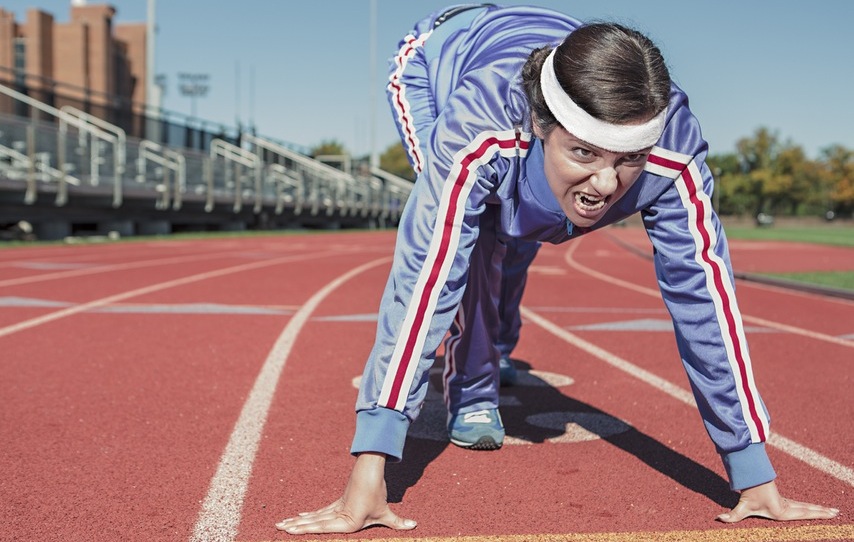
[645, 150]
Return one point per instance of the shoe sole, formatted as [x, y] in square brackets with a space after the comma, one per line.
[483, 443]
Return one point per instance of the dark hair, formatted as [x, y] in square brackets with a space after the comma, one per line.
[614, 73]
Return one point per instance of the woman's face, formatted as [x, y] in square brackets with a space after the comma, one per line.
[586, 179]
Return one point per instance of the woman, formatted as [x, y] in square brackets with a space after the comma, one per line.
[543, 129]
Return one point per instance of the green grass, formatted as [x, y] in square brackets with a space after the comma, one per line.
[843, 280]
[826, 234]
[823, 234]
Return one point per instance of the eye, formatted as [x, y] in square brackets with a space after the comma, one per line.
[634, 158]
[582, 154]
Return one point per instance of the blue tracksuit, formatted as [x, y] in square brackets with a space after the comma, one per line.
[481, 182]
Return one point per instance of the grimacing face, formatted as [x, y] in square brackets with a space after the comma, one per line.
[587, 180]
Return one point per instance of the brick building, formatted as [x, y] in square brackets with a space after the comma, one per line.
[89, 62]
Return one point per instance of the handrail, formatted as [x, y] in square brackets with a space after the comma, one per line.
[297, 181]
[83, 126]
[120, 134]
[175, 161]
[233, 152]
[241, 156]
[38, 164]
[392, 178]
[292, 179]
[396, 185]
[340, 181]
[295, 156]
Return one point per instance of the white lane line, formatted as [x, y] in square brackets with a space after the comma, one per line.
[812, 458]
[220, 515]
[611, 359]
[91, 270]
[841, 341]
[798, 451]
[656, 293]
[50, 317]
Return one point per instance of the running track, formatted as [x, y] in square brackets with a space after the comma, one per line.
[203, 390]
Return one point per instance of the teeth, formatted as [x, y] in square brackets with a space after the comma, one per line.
[589, 202]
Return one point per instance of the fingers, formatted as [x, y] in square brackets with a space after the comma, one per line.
[314, 522]
[335, 524]
[334, 519]
[307, 517]
[325, 509]
[793, 510]
[339, 524]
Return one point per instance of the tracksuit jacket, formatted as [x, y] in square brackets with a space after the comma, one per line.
[481, 177]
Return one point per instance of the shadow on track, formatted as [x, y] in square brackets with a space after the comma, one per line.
[537, 412]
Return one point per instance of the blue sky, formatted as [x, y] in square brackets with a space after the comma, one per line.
[301, 69]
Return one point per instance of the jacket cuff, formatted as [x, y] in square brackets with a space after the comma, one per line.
[749, 467]
[381, 430]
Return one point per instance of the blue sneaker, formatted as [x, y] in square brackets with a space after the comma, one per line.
[507, 374]
[480, 430]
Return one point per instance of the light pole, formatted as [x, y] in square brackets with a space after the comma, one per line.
[153, 91]
[373, 76]
[194, 85]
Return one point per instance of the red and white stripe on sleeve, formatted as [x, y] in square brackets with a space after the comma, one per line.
[689, 183]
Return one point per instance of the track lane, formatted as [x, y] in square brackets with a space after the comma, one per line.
[585, 497]
[457, 492]
[221, 510]
[117, 420]
[112, 439]
[140, 291]
[835, 407]
[760, 302]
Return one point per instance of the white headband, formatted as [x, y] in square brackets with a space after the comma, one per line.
[612, 137]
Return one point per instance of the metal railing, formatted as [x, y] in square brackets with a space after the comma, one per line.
[92, 132]
[395, 194]
[32, 167]
[168, 161]
[323, 187]
[88, 150]
[53, 149]
[237, 164]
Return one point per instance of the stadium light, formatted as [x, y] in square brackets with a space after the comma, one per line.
[194, 85]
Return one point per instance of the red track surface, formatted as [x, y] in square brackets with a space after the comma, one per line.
[125, 369]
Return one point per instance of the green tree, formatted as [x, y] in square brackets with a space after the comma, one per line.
[340, 157]
[756, 155]
[394, 160]
[837, 175]
[329, 147]
[794, 178]
[731, 196]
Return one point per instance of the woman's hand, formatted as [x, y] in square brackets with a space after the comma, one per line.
[766, 502]
[363, 504]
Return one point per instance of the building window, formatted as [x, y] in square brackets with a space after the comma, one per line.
[20, 61]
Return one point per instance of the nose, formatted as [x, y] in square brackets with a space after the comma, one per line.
[604, 181]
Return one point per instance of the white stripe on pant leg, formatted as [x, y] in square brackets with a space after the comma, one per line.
[220, 515]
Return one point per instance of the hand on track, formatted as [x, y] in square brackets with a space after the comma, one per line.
[363, 504]
[765, 501]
